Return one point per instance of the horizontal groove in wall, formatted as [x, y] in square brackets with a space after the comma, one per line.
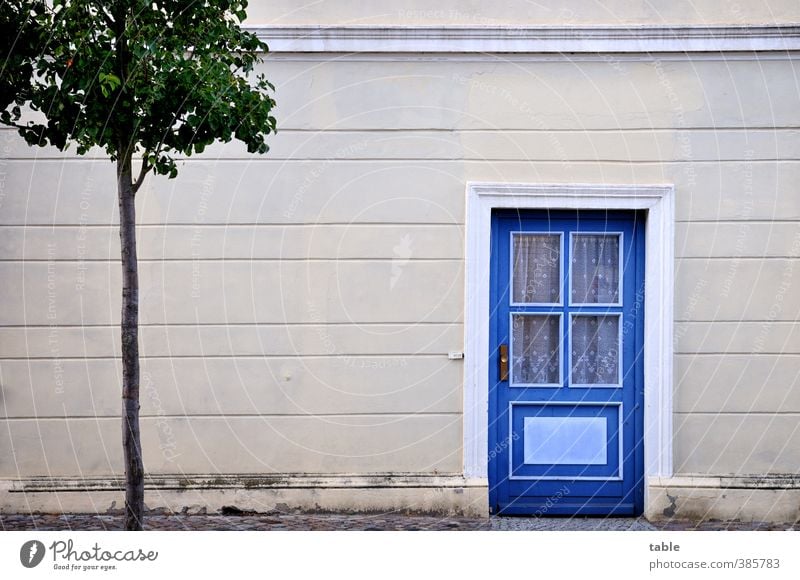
[454, 160]
[740, 221]
[736, 353]
[235, 416]
[739, 413]
[341, 355]
[715, 258]
[232, 260]
[722, 129]
[402, 325]
[115, 261]
[740, 321]
[354, 323]
[727, 258]
[321, 131]
[280, 225]
[564, 55]
[236, 356]
[517, 130]
[240, 225]
[347, 224]
[341, 415]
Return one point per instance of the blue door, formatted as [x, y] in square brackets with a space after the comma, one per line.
[566, 363]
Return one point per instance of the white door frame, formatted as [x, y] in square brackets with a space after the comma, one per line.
[658, 201]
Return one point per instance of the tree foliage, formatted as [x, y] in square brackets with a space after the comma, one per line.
[153, 79]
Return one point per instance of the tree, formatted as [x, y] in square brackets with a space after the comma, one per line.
[147, 81]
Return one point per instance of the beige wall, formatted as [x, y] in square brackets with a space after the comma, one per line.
[524, 12]
[297, 308]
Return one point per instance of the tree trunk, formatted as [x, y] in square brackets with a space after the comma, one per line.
[131, 443]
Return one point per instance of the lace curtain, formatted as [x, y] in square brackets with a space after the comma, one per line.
[535, 349]
[595, 269]
[594, 339]
[537, 268]
[595, 350]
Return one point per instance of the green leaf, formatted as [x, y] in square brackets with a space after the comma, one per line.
[139, 91]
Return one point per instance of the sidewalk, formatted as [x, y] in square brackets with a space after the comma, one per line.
[371, 522]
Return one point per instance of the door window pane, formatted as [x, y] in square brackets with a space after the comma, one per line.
[535, 352]
[595, 269]
[595, 350]
[536, 268]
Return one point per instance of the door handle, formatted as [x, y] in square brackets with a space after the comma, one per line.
[503, 362]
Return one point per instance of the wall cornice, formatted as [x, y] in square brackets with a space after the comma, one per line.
[528, 39]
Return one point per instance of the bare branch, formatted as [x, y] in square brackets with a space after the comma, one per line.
[15, 125]
[146, 167]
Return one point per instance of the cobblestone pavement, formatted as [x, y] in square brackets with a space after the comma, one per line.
[376, 522]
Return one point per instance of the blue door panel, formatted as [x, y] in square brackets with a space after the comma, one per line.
[565, 440]
[564, 443]
[547, 507]
[525, 488]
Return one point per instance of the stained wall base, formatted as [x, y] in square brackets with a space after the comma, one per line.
[757, 498]
[446, 495]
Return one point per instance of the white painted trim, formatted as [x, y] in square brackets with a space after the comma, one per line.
[526, 39]
[659, 202]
